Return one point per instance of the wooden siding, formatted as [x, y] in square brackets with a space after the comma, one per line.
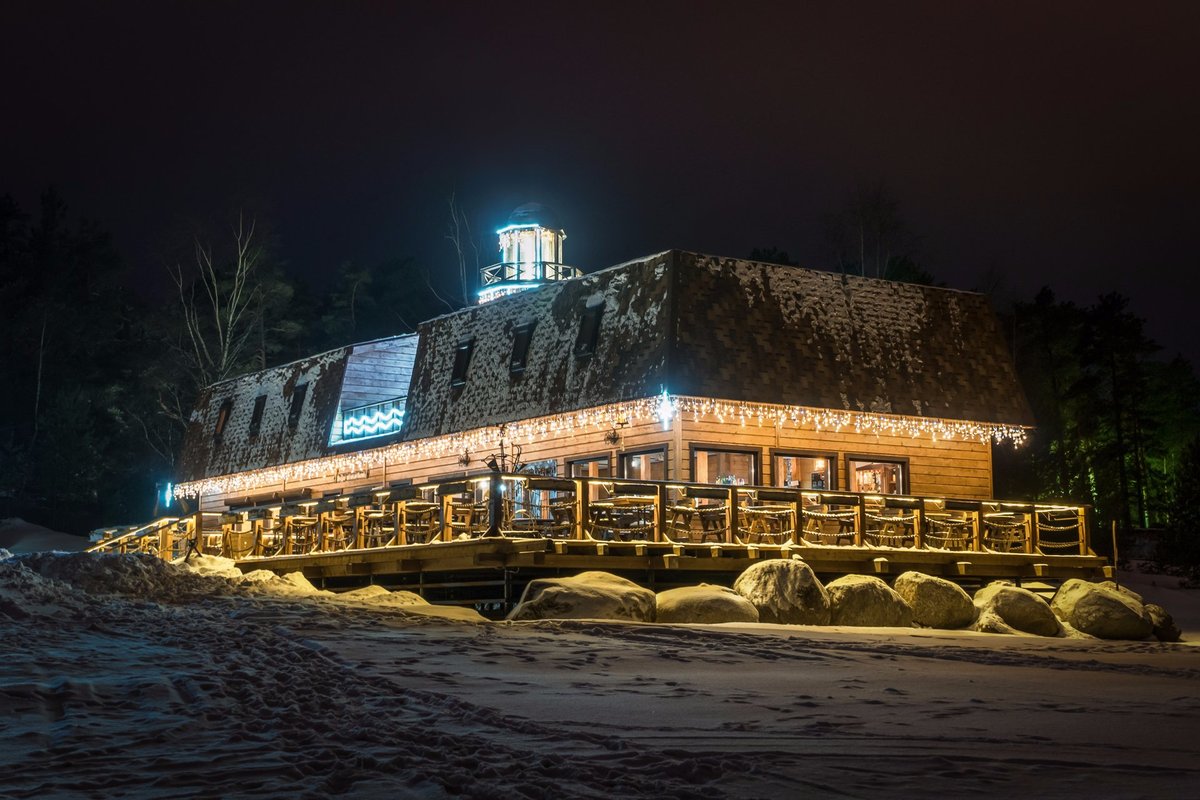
[936, 468]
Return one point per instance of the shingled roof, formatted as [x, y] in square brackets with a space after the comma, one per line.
[276, 439]
[687, 323]
[723, 328]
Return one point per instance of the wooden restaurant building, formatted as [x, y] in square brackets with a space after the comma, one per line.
[676, 412]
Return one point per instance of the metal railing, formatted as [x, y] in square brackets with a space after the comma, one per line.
[613, 511]
[527, 271]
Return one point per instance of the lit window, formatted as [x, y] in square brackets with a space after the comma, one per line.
[648, 466]
[876, 476]
[589, 327]
[805, 471]
[260, 403]
[729, 467]
[522, 337]
[297, 406]
[462, 360]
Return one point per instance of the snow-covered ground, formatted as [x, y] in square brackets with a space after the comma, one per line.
[19, 536]
[127, 677]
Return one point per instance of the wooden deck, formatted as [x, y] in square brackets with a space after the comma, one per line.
[490, 573]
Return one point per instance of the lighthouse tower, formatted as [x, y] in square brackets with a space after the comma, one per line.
[531, 247]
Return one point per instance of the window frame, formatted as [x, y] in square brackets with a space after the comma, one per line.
[461, 364]
[832, 457]
[876, 458]
[756, 452]
[587, 340]
[224, 412]
[622, 455]
[517, 362]
[256, 416]
[296, 409]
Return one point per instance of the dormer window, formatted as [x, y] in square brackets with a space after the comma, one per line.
[260, 405]
[589, 327]
[222, 419]
[462, 360]
[298, 395]
[522, 337]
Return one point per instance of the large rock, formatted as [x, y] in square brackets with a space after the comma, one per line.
[1103, 612]
[1165, 629]
[1018, 608]
[936, 602]
[588, 595]
[866, 601]
[703, 603]
[785, 591]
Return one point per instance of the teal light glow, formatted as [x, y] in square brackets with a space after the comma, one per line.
[168, 494]
[372, 421]
[524, 226]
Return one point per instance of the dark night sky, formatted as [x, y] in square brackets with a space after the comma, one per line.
[1055, 142]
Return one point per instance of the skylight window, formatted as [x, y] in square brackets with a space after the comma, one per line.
[298, 395]
[589, 327]
[260, 404]
[522, 337]
[222, 419]
[462, 360]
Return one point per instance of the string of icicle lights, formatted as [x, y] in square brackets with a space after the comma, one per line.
[662, 408]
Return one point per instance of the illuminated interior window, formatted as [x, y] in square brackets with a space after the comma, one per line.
[589, 327]
[877, 477]
[260, 404]
[728, 467]
[522, 337]
[648, 466]
[223, 418]
[462, 360]
[298, 395]
[805, 471]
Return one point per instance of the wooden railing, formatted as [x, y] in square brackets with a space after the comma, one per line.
[613, 510]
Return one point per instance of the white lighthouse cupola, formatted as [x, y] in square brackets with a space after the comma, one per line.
[531, 254]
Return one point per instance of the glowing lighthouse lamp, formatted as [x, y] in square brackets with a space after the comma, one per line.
[531, 247]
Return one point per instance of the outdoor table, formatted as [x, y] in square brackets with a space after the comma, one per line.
[420, 521]
[623, 517]
[769, 522]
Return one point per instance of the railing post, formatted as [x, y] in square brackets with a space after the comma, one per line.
[977, 530]
[582, 495]
[919, 525]
[1029, 529]
[860, 520]
[732, 533]
[198, 527]
[495, 505]
[660, 511]
[1084, 531]
[1035, 534]
[164, 541]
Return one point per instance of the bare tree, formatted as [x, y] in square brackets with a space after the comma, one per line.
[466, 252]
[868, 235]
[218, 306]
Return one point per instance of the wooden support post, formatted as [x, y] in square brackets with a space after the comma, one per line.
[660, 512]
[962, 567]
[1029, 530]
[881, 565]
[732, 515]
[581, 508]
[165, 541]
[1035, 533]
[977, 530]
[1084, 533]
[198, 526]
[860, 521]
[918, 527]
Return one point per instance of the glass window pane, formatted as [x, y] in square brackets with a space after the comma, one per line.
[727, 467]
[646, 466]
[804, 472]
[877, 477]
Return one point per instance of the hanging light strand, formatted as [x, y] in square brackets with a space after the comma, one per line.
[661, 408]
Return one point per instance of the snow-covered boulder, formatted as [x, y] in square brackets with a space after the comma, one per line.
[588, 595]
[703, 603]
[1165, 629]
[784, 591]
[935, 602]
[1103, 612]
[1017, 608]
[866, 601]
